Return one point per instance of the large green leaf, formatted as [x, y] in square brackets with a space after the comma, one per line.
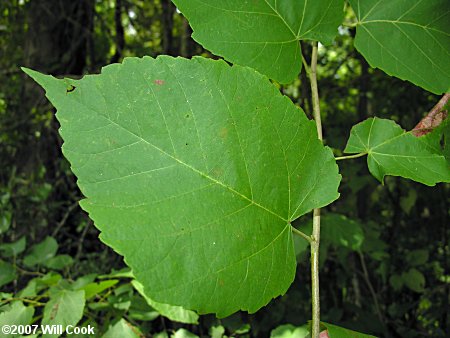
[263, 34]
[392, 151]
[193, 170]
[406, 39]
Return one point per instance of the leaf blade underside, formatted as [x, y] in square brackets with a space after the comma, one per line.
[193, 170]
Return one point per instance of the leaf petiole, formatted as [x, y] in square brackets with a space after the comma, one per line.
[301, 234]
[306, 66]
[348, 157]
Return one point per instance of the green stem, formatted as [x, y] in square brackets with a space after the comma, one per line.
[315, 238]
[348, 157]
[315, 296]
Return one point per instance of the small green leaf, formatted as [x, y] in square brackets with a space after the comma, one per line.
[13, 249]
[59, 262]
[183, 333]
[209, 159]
[406, 39]
[417, 257]
[140, 310]
[217, 331]
[122, 273]
[122, 329]
[289, 331]
[339, 332]
[392, 151]
[42, 252]
[7, 273]
[337, 230]
[414, 280]
[83, 281]
[174, 313]
[64, 307]
[342, 231]
[161, 335]
[50, 279]
[5, 221]
[5, 295]
[264, 35]
[396, 281]
[16, 314]
[30, 290]
[407, 202]
[93, 289]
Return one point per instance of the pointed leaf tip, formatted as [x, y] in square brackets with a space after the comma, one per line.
[30, 72]
[43, 80]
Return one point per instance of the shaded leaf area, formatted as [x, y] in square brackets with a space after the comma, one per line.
[263, 34]
[175, 313]
[193, 170]
[406, 39]
[336, 230]
[413, 279]
[392, 151]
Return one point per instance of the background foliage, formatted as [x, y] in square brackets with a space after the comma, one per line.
[390, 279]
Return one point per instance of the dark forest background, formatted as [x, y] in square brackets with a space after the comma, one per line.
[395, 284]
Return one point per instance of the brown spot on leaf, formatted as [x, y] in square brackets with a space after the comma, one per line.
[223, 133]
[54, 311]
[217, 172]
[158, 82]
